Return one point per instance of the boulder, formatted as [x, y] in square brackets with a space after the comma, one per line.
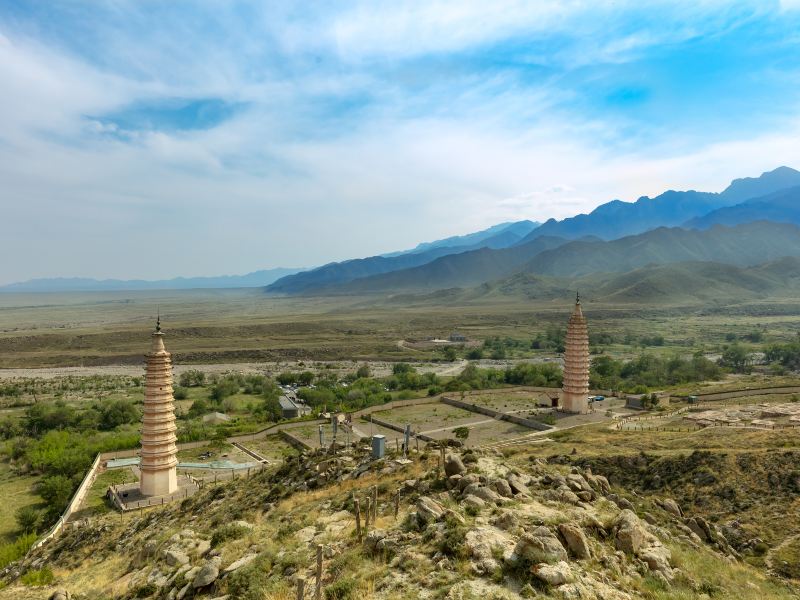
[238, 564]
[576, 540]
[428, 510]
[487, 494]
[473, 502]
[669, 505]
[482, 544]
[453, 465]
[518, 485]
[175, 558]
[207, 575]
[539, 546]
[502, 487]
[657, 559]
[60, 595]
[557, 574]
[631, 534]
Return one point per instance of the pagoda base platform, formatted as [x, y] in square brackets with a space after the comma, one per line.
[129, 496]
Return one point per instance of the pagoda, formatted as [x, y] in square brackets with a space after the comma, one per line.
[159, 452]
[575, 389]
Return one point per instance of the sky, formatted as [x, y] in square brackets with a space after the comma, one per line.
[143, 139]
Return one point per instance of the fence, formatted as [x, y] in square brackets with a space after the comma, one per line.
[392, 426]
[529, 423]
[77, 499]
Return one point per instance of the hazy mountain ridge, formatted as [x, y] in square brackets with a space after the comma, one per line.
[454, 270]
[616, 219]
[499, 237]
[781, 206]
[81, 284]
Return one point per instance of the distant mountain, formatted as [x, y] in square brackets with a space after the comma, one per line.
[499, 236]
[77, 284]
[744, 245]
[473, 240]
[782, 207]
[683, 283]
[454, 270]
[617, 219]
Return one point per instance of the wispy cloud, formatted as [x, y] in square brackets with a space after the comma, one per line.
[237, 136]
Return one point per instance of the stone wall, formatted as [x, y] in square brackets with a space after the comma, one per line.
[476, 408]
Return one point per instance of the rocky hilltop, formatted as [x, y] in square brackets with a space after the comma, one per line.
[483, 526]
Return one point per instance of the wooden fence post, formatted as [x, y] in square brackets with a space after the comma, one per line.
[358, 519]
[318, 591]
[301, 588]
[367, 514]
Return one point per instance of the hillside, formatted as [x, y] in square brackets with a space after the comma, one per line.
[500, 236]
[743, 245]
[781, 207]
[489, 527]
[616, 219]
[455, 270]
[491, 237]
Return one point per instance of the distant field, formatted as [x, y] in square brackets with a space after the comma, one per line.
[214, 326]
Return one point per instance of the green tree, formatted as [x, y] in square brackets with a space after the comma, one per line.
[28, 519]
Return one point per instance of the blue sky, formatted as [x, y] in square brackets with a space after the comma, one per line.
[155, 139]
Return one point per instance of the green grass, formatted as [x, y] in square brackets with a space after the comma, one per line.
[16, 491]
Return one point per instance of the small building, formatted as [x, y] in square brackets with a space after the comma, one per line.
[291, 408]
[215, 418]
[457, 337]
[647, 401]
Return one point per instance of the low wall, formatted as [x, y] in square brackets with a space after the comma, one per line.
[392, 426]
[793, 389]
[476, 408]
[293, 441]
[77, 499]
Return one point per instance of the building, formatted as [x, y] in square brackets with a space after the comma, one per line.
[575, 389]
[457, 337]
[215, 418]
[291, 408]
[159, 452]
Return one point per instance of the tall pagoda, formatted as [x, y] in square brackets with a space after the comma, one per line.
[159, 452]
[575, 389]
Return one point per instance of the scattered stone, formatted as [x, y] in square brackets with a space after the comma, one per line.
[557, 574]
[428, 510]
[207, 575]
[502, 487]
[576, 540]
[539, 546]
[669, 505]
[631, 534]
[175, 558]
[518, 485]
[473, 502]
[238, 564]
[453, 465]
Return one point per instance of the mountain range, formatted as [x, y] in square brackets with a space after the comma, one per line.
[80, 284]
[605, 240]
[752, 221]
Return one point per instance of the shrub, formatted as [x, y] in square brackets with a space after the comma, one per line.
[17, 549]
[40, 577]
[231, 531]
[180, 393]
[343, 589]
